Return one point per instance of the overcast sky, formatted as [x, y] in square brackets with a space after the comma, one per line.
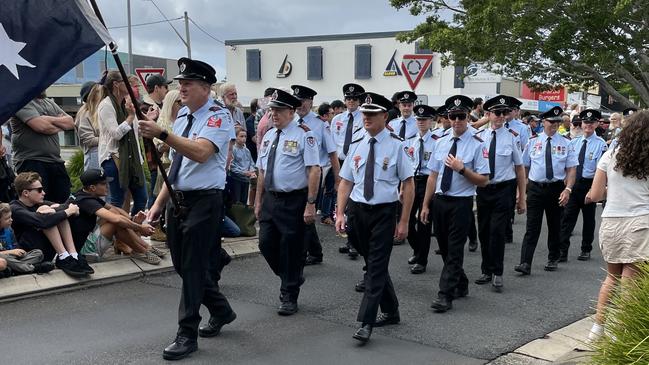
[244, 19]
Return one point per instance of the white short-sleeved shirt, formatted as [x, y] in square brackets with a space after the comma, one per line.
[626, 196]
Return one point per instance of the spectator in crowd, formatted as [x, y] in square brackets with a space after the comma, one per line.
[119, 150]
[325, 113]
[99, 224]
[87, 125]
[250, 129]
[476, 111]
[18, 260]
[327, 198]
[394, 112]
[134, 81]
[263, 118]
[156, 90]
[35, 144]
[229, 229]
[575, 128]
[5, 271]
[621, 179]
[229, 97]
[5, 145]
[564, 127]
[338, 106]
[242, 169]
[43, 225]
[614, 127]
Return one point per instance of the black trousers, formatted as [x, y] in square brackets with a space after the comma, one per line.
[312, 243]
[194, 248]
[509, 229]
[571, 213]
[542, 197]
[419, 234]
[452, 218]
[56, 181]
[494, 204]
[473, 231]
[372, 228]
[281, 238]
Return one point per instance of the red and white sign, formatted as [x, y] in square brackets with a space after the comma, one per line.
[414, 66]
[144, 73]
[556, 96]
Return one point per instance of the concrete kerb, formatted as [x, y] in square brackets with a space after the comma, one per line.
[115, 269]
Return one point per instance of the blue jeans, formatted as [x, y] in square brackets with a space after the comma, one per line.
[152, 197]
[230, 229]
[91, 159]
[138, 194]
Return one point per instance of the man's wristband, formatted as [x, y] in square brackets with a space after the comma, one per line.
[569, 189]
[461, 172]
[163, 136]
[311, 200]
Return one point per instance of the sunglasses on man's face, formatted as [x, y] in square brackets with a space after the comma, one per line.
[350, 98]
[502, 112]
[39, 190]
[458, 116]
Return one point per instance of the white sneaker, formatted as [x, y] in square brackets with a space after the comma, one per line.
[595, 333]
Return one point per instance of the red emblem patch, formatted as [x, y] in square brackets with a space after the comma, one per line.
[214, 122]
[485, 153]
[356, 161]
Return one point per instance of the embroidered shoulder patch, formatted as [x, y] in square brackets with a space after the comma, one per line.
[214, 122]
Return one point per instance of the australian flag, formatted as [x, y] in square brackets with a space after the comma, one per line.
[41, 40]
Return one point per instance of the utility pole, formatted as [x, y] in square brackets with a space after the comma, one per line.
[130, 43]
[187, 42]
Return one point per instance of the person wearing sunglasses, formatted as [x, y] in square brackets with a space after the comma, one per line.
[457, 166]
[497, 199]
[551, 166]
[589, 148]
[369, 189]
[345, 128]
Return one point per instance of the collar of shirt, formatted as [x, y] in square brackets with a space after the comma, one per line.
[288, 128]
[465, 136]
[428, 135]
[198, 113]
[379, 137]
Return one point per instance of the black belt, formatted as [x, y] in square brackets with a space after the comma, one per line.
[547, 185]
[499, 185]
[365, 206]
[287, 194]
[453, 198]
[421, 177]
[190, 194]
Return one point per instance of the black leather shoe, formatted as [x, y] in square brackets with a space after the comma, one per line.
[385, 319]
[312, 260]
[397, 242]
[484, 279]
[584, 256]
[214, 325]
[180, 349]
[287, 309]
[360, 286]
[363, 334]
[473, 245]
[412, 260]
[523, 268]
[563, 257]
[417, 269]
[551, 266]
[442, 304]
[460, 293]
[343, 249]
[353, 254]
[497, 283]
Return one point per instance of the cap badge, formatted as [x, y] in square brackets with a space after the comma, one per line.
[406, 96]
[368, 100]
[502, 100]
[183, 66]
[351, 88]
[421, 110]
[589, 114]
[296, 90]
[457, 102]
[556, 111]
[631, 112]
[274, 96]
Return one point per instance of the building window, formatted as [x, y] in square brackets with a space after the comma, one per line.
[79, 71]
[363, 64]
[429, 71]
[314, 63]
[253, 65]
[458, 77]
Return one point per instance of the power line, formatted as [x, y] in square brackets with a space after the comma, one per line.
[167, 19]
[205, 32]
[142, 24]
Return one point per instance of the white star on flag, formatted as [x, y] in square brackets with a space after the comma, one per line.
[9, 56]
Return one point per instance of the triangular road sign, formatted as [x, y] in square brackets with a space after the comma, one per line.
[144, 73]
[414, 66]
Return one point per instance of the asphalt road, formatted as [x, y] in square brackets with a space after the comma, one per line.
[131, 322]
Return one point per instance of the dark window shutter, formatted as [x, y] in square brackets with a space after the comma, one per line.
[363, 64]
[458, 77]
[429, 72]
[314, 63]
[253, 65]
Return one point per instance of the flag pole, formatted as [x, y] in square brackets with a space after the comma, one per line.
[148, 143]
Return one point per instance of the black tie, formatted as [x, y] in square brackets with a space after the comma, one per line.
[348, 133]
[368, 182]
[549, 174]
[421, 156]
[402, 131]
[447, 176]
[492, 156]
[582, 157]
[270, 163]
[178, 158]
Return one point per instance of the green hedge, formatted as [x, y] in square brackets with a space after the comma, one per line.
[75, 168]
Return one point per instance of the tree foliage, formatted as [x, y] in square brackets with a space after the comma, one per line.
[583, 42]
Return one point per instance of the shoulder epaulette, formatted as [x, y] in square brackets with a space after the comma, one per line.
[513, 132]
[413, 136]
[389, 128]
[435, 137]
[534, 135]
[478, 137]
[566, 136]
[478, 132]
[181, 115]
[357, 129]
[396, 137]
[215, 108]
[357, 140]
[443, 135]
[434, 129]
[304, 127]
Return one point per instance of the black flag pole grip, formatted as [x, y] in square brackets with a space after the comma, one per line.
[148, 143]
